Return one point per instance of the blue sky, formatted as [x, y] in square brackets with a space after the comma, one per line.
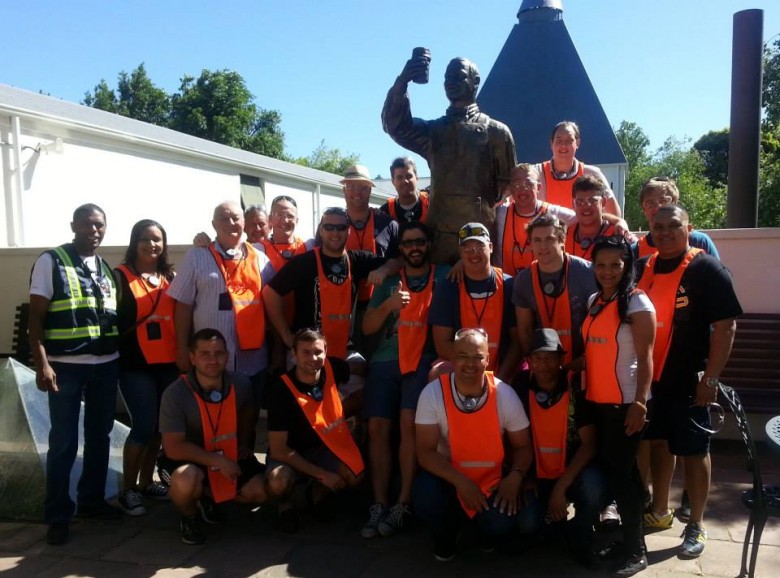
[327, 65]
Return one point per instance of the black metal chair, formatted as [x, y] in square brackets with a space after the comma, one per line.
[762, 501]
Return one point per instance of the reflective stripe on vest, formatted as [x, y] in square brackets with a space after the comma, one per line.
[326, 418]
[220, 434]
[599, 333]
[550, 427]
[486, 313]
[412, 326]
[335, 309]
[558, 191]
[662, 290]
[476, 444]
[555, 312]
[516, 253]
[162, 349]
[363, 242]
[73, 319]
[244, 284]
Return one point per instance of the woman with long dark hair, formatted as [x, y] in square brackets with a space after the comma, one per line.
[147, 356]
[618, 334]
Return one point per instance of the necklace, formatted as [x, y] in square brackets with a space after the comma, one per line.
[470, 402]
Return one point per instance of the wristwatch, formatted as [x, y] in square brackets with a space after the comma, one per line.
[712, 382]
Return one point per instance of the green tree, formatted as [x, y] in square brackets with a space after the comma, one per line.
[136, 97]
[714, 150]
[328, 159]
[102, 97]
[769, 176]
[635, 144]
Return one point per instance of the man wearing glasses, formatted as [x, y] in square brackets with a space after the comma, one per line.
[696, 308]
[480, 299]
[588, 195]
[308, 436]
[283, 244]
[655, 193]
[398, 312]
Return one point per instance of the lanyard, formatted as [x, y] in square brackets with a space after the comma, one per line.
[548, 309]
[479, 316]
[361, 233]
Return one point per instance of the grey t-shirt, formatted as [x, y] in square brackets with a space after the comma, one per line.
[581, 284]
[179, 411]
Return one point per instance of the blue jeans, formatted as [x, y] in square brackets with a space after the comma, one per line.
[98, 385]
[589, 495]
[436, 503]
[142, 391]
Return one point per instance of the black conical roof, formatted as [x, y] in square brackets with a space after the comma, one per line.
[538, 80]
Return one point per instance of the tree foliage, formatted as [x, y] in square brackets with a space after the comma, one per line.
[216, 106]
[714, 150]
[329, 159]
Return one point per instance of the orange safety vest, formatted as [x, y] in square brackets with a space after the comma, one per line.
[335, 309]
[327, 419]
[644, 249]
[549, 426]
[599, 333]
[573, 247]
[413, 324]
[662, 290]
[516, 253]
[365, 242]
[555, 312]
[558, 191]
[424, 201]
[476, 444]
[280, 253]
[489, 319]
[244, 285]
[220, 435]
[153, 305]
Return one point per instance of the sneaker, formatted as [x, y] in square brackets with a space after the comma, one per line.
[371, 527]
[694, 540]
[58, 533]
[132, 503]
[609, 517]
[101, 510]
[394, 520]
[191, 530]
[633, 565]
[654, 521]
[157, 491]
[683, 513]
[209, 511]
[444, 550]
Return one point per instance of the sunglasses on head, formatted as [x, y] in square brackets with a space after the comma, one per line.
[334, 227]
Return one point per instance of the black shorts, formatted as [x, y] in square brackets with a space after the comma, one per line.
[675, 420]
[250, 467]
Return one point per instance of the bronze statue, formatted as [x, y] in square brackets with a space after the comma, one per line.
[469, 154]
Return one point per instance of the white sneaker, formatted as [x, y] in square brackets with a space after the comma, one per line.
[132, 503]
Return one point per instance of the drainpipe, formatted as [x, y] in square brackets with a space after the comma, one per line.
[317, 202]
[13, 204]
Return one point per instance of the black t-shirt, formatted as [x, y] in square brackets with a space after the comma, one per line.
[706, 295]
[285, 414]
[300, 276]
[405, 215]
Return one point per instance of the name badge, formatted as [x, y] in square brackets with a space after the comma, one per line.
[225, 302]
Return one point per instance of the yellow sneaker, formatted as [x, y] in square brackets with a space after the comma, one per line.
[655, 521]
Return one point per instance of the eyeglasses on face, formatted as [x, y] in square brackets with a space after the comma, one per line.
[418, 242]
[330, 227]
[589, 202]
[654, 203]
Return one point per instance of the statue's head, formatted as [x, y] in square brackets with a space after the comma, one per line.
[461, 81]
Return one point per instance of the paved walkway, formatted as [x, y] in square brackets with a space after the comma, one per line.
[149, 546]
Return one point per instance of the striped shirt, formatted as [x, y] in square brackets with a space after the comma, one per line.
[199, 282]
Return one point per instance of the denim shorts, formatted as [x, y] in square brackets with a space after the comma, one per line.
[387, 390]
[674, 420]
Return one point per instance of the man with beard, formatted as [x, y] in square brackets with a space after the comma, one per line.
[399, 371]
[411, 204]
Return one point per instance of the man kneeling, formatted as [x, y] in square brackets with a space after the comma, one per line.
[463, 421]
[308, 434]
[205, 422]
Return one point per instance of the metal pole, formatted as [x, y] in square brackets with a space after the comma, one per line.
[745, 130]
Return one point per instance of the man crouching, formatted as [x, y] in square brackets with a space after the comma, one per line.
[205, 422]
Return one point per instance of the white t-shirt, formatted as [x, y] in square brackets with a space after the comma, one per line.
[627, 361]
[587, 170]
[430, 410]
[42, 285]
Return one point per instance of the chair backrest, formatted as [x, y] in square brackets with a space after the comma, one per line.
[734, 403]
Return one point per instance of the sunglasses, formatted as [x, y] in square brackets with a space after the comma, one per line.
[409, 243]
[332, 227]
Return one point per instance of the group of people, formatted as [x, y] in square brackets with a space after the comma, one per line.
[551, 362]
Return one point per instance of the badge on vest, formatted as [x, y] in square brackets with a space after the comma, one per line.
[225, 302]
[153, 331]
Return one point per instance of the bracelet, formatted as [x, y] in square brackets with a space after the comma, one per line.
[640, 404]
